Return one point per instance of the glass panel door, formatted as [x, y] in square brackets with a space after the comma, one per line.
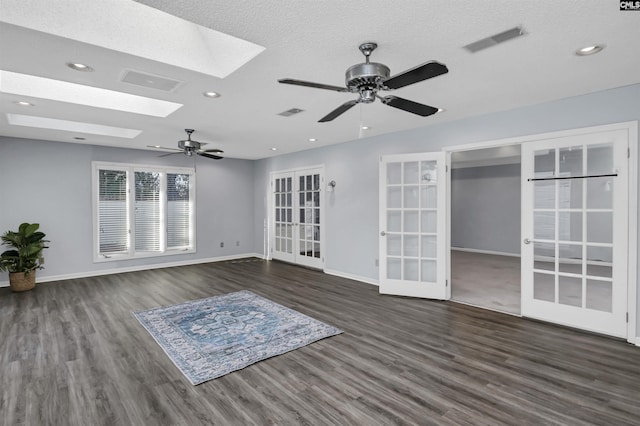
[574, 226]
[297, 226]
[309, 196]
[412, 225]
[282, 241]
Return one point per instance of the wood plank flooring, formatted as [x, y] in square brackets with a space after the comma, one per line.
[73, 354]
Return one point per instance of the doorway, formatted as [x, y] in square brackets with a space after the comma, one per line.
[485, 228]
[578, 238]
[297, 217]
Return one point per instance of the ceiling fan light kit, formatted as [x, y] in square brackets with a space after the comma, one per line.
[368, 78]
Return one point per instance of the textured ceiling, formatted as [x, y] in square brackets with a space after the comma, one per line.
[318, 41]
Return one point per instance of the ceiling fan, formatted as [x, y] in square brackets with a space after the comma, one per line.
[189, 147]
[368, 78]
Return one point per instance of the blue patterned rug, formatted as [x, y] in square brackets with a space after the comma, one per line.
[211, 337]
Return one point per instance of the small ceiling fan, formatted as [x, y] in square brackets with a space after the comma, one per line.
[368, 78]
[189, 147]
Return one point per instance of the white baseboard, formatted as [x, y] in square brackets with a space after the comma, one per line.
[497, 253]
[352, 277]
[101, 272]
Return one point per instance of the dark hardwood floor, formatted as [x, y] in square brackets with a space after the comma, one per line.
[72, 353]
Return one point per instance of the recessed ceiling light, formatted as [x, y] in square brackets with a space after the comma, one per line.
[77, 66]
[274, 149]
[23, 103]
[71, 126]
[63, 91]
[590, 50]
[211, 94]
[312, 139]
[365, 127]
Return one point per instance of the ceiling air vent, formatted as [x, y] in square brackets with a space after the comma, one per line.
[495, 39]
[290, 112]
[150, 80]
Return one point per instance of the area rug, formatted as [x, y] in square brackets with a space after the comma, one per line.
[211, 337]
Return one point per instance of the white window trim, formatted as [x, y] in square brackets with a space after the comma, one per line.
[130, 168]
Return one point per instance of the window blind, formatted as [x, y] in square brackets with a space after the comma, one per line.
[142, 210]
[113, 218]
[147, 211]
[179, 234]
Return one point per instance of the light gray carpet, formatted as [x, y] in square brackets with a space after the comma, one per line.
[486, 280]
[493, 282]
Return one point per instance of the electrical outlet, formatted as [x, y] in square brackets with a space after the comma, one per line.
[221, 244]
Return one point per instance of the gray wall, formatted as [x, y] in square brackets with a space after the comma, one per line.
[50, 183]
[485, 208]
[352, 211]
[232, 194]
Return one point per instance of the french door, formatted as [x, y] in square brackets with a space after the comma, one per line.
[575, 231]
[413, 225]
[297, 218]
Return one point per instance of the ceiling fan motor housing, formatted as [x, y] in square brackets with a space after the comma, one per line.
[189, 146]
[366, 78]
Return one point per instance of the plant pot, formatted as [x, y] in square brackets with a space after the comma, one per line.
[21, 281]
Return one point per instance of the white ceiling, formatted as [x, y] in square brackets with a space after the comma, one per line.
[317, 41]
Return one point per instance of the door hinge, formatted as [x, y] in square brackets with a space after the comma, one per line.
[628, 152]
[446, 168]
[446, 283]
[627, 316]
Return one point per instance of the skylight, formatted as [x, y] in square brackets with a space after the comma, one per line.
[46, 88]
[136, 29]
[71, 126]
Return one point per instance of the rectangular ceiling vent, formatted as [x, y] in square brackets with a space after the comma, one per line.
[495, 39]
[290, 112]
[150, 80]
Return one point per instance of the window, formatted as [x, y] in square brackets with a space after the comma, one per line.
[142, 211]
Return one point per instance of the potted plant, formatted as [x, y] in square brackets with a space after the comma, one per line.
[24, 256]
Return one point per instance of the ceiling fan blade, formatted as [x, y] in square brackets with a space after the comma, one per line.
[204, 154]
[171, 153]
[311, 84]
[414, 75]
[409, 106]
[219, 151]
[162, 147]
[338, 111]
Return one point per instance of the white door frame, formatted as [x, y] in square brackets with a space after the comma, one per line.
[271, 206]
[632, 250]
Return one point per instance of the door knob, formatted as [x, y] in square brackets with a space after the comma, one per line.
[527, 241]
[383, 233]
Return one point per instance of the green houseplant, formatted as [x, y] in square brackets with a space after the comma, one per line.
[24, 255]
